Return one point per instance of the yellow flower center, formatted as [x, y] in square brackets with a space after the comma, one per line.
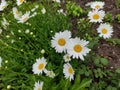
[3, 7]
[51, 73]
[97, 6]
[25, 19]
[96, 16]
[61, 42]
[40, 66]
[104, 31]
[78, 48]
[39, 89]
[70, 70]
[17, 12]
[67, 57]
[21, 1]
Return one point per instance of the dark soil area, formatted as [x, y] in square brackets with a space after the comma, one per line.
[111, 52]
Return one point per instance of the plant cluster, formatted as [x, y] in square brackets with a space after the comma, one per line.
[39, 50]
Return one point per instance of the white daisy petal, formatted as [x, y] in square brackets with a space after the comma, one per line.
[3, 5]
[19, 2]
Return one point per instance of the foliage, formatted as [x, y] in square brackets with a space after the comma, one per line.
[19, 50]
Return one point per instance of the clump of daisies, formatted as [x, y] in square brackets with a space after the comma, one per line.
[75, 47]
[22, 18]
[40, 66]
[72, 47]
[97, 15]
[3, 5]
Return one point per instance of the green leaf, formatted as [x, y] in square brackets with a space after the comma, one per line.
[104, 61]
[84, 84]
[118, 70]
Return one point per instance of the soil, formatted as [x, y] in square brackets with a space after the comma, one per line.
[111, 52]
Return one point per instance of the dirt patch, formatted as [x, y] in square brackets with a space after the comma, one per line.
[111, 52]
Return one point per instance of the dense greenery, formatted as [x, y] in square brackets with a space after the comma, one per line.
[19, 50]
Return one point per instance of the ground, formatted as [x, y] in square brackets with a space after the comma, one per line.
[105, 49]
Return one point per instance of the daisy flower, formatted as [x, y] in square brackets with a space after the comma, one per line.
[68, 71]
[60, 40]
[24, 17]
[67, 58]
[105, 30]
[5, 23]
[0, 62]
[49, 73]
[96, 16]
[3, 5]
[77, 48]
[38, 85]
[97, 5]
[16, 13]
[19, 2]
[39, 66]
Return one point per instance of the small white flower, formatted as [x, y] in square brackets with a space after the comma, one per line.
[24, 17]
[97, 5]
[0, 62]
[38, 85]
[3, 5]
[96, 16]
[7, 36]
[88, 4]
[0, 31]
[16, 13]
[33, 9]
[60, 41]
[60, 11]
[27, 31]
[34, 14]
[36, 6]
[49, 73]
[31, 33]
[39, 66]
[19, 2]
[42, 51]
[105, 30]
[43, 11]
[12, 41]
[5, 23]
[9, 87]
[19, 31]
[68, 71]
[77, 48]
[67, 58]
